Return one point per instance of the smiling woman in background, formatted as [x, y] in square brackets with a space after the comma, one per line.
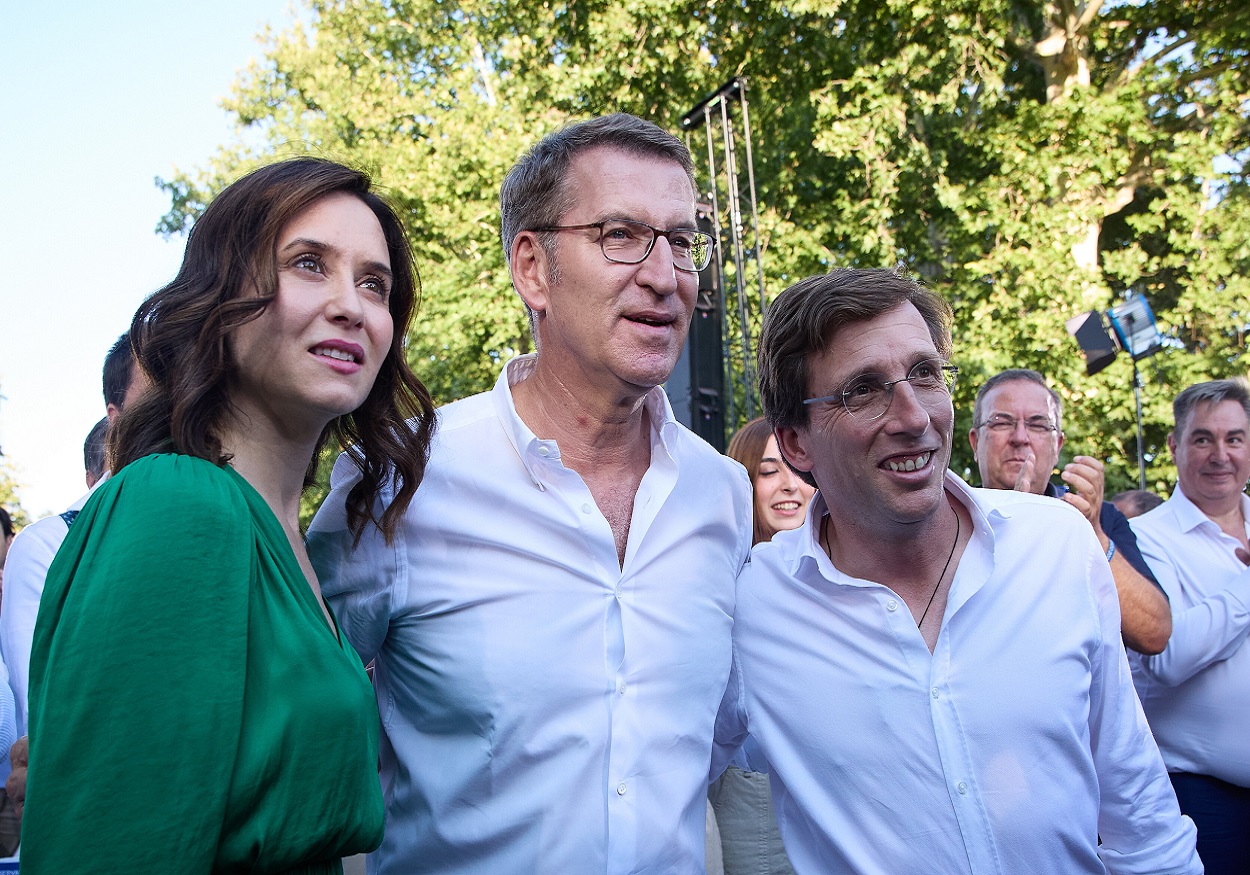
[750, 841]
[781, 496]
[193, 707]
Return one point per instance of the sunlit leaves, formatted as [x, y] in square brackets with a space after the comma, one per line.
[1029, 163]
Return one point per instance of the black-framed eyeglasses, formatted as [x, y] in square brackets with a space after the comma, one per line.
[625, 241]
[868, 396]
[1003, 424]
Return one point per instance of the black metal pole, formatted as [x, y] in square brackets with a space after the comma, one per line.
[1141, 452]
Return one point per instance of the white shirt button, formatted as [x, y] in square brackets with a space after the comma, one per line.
[618, 592]
[586, 508]
[621, 789]
[544, 451]
[962, 788]
[891, 605]
[620, 687]
[936, 694]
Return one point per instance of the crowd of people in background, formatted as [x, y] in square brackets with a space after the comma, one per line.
[548, 629]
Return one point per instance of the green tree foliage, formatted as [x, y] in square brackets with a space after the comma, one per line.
[1031, 160]
[10, 499]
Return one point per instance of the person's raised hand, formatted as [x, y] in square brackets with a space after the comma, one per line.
[1025, 478]
[1086, 482]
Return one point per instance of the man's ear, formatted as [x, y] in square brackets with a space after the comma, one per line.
[1172, 444]
[791, 444]
[531, 271]
[972, 439]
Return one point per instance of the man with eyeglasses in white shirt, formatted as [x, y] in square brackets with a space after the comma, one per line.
[1016, 436]
[551, 629]
[935, 688]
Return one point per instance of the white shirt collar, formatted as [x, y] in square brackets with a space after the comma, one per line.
[534, 452]
[808, 549]
[1189, 516]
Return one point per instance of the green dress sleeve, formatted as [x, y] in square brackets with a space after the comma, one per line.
[137, 676]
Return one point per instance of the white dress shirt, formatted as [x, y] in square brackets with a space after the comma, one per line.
[543, 709]
[32, 552]
[8, 724]
[1010, 749]
[1197, 691]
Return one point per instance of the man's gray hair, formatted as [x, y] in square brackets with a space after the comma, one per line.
[1012, 375]
[1213, 392]
[535, 193]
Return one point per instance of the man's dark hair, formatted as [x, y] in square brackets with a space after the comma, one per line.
[1012, 375]
[117, 371]
[1139, 501]
[93, 449]
[1210, 392]
[800, 322]
[6, 524]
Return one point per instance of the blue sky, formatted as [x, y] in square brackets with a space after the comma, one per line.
[96, 101]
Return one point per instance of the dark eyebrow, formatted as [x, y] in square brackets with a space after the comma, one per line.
[920, 358]
[770, 459]
[320, 246]
[379, 267]
[1208, 433]
[309, 242]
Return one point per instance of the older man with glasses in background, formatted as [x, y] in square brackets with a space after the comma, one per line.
[935, 688]
[1016, 436]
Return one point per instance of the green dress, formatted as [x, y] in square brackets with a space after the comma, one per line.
[191, 709]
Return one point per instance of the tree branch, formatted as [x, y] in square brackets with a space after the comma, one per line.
[1088, 16]
[1125, 188]
[1067, 10]
[1206, 72]
[1164, 51]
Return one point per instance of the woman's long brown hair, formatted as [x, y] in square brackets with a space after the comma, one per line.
[747, 448]
[229, 276]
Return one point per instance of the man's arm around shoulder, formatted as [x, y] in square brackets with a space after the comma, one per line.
[356, 576]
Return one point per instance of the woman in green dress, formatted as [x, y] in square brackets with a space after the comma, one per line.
[193, 707]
